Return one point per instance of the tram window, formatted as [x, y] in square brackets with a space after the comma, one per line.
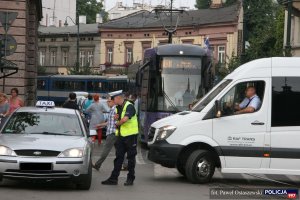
[91, 86]
[41, 85]
[59, 85]
[78, 85]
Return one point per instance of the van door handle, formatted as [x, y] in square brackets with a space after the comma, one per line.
[257, 123]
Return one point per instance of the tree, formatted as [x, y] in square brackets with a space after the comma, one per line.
[80, 70]
[202, 4]
[90, 8]
[230, 2]
[264, 27]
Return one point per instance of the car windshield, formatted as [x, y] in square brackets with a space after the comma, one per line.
[43, 123]
[210, 96]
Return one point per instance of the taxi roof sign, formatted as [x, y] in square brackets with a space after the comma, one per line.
[49, 104]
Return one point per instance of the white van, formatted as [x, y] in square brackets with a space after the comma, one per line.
[266, 141]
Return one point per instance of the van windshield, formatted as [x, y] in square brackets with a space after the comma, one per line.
[210, 96]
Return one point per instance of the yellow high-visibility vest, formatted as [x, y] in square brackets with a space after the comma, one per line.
[131, 126]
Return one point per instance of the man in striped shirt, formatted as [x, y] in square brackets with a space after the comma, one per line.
[110, 133]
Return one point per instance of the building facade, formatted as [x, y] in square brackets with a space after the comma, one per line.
[120, 10]
[124, 40]
[24, 30]
[295, 27]
[57, 48]
[56, 11]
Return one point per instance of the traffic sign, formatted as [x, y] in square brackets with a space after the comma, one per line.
[9, 45]
[7, 18]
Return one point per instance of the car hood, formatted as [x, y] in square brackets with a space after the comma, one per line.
[179, 119]
[41, 142]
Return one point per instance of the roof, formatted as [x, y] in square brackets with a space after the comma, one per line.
[267, 67]
[83, 29]
[146, 19]
[180, 49]
[56, 110]
[85, 77]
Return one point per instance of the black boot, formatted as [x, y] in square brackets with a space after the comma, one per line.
[129, 182]
[110, 182]
[95, 167]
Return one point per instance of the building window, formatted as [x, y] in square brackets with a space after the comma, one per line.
[90, 39]
[109, 55]
[82, 39]
[90, 58]
[42, 58]
[65, 39]
[65, 58]
[53, 39]
[145, 45]
[221, 54]
[129, 55]
[42, 39]
[53, 58]
[82, 58]
[285, 101]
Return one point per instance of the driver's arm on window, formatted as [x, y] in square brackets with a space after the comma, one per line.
[249, 109]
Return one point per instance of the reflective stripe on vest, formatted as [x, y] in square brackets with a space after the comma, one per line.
[131, 126]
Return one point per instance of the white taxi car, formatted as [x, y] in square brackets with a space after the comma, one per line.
[46, 143]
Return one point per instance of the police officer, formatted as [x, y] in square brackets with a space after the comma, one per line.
[127, 131]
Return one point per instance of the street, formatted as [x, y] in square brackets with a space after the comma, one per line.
[152, 182]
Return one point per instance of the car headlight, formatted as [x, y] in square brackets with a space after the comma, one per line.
[72, 153]
[164, 132]
[5, 151]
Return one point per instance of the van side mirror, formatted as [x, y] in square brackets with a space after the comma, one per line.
[218, 112]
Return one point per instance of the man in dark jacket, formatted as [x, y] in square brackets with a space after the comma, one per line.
[71, 103]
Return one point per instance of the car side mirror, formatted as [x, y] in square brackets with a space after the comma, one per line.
[218, 112]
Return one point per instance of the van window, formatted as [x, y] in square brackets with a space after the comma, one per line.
[285, 101]
[236, 97]
[208, 98]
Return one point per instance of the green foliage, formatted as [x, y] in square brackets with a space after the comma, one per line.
[202, 4]
[90, 8]
[233, 63]
[264, 27]
[41, 69]
[80, 70]
[230, 2]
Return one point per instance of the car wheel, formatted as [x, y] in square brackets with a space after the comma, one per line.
[200, 167]
[86, 182]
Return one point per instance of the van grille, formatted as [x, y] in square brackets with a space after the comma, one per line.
[151, 134]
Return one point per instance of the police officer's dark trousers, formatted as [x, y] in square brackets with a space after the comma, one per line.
[125, 145]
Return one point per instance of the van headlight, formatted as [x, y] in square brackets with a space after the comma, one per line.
[164, 132]
[72, 153]
[5, 151]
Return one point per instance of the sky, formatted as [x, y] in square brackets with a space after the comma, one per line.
[177, 3]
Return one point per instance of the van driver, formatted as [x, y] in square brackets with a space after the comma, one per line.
[250, 104]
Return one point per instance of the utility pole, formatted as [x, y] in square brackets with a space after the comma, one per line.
[288, 47]
[170, 34]
[170, 29]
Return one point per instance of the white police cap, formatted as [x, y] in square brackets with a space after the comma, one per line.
[116, 93]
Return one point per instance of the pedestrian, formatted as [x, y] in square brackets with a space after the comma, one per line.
[85, 104]
[71, 102]
[110, 133]
[15, 101]
[127, 132]
[96, 110]
[4, 108]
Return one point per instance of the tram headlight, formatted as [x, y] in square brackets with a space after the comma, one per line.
[165, 132]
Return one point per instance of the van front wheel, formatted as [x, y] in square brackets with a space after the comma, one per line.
[200, 167]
